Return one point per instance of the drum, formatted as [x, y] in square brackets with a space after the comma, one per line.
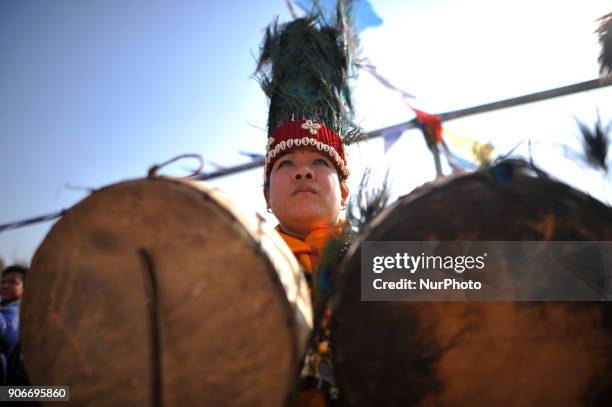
[477, 353]
[161, 292]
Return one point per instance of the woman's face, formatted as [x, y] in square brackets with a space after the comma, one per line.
[305, 192]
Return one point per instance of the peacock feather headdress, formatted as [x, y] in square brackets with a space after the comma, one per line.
[605, 40]
[304, 68]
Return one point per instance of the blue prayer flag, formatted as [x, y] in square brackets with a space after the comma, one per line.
[363, 15]
[390, 138]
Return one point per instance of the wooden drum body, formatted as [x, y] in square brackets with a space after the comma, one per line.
[160, 292]
[477, 353]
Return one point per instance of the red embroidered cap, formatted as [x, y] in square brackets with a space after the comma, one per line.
[306, 133]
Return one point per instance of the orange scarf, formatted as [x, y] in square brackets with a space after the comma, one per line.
[308, 251]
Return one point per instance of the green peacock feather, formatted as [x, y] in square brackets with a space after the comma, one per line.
[304, 68]
[605, 40]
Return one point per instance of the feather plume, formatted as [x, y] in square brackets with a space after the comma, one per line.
[605, 40]
[304, 68]
[368, 202]
[504, 169]
[327, 273]
[595, 143]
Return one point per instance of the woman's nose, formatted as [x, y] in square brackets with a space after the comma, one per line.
[303, 172]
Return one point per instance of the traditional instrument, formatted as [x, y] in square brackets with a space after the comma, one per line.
[477, 353]
[160, 291]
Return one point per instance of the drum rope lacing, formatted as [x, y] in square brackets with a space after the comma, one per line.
[153, 171]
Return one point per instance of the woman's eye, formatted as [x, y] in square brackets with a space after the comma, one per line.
[320, 161]
[284, 163]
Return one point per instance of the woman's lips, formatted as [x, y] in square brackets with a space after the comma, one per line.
[304, 189]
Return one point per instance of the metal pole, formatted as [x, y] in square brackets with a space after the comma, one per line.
[488, 107]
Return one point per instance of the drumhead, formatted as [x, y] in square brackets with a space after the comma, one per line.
[158, 291]
[476, 353]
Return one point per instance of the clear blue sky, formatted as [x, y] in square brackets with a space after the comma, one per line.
[94, 92]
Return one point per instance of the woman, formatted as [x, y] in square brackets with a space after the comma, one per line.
[303, 69]
[306, 189]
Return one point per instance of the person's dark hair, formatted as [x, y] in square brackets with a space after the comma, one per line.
[16, 269]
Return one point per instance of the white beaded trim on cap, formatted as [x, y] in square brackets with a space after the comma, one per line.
[285, 145]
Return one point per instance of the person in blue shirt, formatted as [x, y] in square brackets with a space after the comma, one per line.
[11, 291]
